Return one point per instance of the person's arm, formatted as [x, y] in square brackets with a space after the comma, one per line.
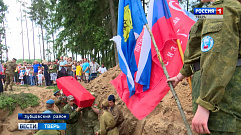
[102, 125]
[97, 111]
[218, 64]
[116, 114]
[192, 53]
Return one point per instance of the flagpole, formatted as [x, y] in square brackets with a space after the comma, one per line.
[189, 131]
[182, 56]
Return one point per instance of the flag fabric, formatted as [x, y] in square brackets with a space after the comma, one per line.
[169, 22]
[131, 19]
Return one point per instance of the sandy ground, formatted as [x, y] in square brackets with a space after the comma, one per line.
[164, 120]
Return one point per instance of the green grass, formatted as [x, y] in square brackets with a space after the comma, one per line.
[9, 101]
[53, 87]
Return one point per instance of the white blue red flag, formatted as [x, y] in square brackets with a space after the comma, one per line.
[131, 19]
[168, 23]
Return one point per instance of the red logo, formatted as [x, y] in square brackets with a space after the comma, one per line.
[219, 11]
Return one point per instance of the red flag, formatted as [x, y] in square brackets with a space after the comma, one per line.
[179, 24]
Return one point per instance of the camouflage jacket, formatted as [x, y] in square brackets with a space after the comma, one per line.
[192, 53]
[73, 114]
[218, 62]
[60, 103]
[10, 67]
[89, 117]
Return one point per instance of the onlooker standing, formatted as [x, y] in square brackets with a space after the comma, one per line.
[1, 85]
[46, 74]
[94, 66]
[74, 69]
[28, 79]
[35, 69]
[31, 74]
[40, 78]
[78, 71]
[22, 74]
[2, 74]
[10, 67]
[86, 71]
[53, 72]
[81, 63]
[62, 67]
[102, 69]
[69, 66]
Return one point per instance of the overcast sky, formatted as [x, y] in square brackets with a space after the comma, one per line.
[14, 36]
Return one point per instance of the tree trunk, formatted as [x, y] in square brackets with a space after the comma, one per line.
[22, 28]
[39, 45]
[33, 41]
[53, 45]
[42, 32]
[27, 37]
[114, 27]
[5, 38]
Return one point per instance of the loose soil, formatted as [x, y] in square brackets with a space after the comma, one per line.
[165, 119]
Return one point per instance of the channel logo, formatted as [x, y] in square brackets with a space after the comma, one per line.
[41, 126]
[28, 126]
[208, 13]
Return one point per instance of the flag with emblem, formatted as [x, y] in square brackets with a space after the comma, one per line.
[168, 22]
[131, 19]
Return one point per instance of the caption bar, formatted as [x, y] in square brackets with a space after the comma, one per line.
[23, 116]
[41, 126]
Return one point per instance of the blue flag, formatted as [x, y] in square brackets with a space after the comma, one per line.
[131, 19]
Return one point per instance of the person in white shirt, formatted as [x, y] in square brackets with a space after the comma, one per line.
[40, 77]
[102, 69]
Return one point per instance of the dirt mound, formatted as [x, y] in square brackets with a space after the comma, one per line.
[165, 119]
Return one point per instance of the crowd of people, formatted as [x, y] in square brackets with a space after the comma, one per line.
[47, 72]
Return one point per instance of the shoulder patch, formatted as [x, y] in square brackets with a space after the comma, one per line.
[207, 43]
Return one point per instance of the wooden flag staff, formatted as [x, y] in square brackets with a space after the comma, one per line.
[169, 83]
[182, 56]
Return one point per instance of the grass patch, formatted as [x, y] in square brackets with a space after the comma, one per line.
[9, 101]
[53, 87]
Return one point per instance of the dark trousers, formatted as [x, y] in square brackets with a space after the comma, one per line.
[25, 79]
[1, 85]
[47, 79]
[35, 78]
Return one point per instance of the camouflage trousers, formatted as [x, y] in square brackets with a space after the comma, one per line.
[91, 130]
[9, 80]
[74, 129]
[226, 121]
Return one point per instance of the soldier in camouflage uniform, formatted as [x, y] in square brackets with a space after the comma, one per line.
[10, 68]
[73, 124]
[217, 72]
[107, 122]
[60, 101]
[117, 113]
[90, 120]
